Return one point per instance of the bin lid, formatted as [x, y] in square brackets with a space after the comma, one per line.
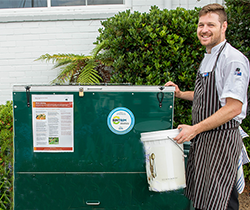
[93, 88]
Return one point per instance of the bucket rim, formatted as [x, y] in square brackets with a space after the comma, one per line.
[159, 135]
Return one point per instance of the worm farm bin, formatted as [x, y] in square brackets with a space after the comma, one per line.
[78, 147]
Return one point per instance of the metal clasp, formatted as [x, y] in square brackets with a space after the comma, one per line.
[81, 93]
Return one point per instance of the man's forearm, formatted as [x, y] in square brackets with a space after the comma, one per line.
[186, 95]
[223, 115]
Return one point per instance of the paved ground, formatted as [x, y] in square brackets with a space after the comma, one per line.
[244, 198]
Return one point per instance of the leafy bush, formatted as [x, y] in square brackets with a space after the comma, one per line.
[246, 128]
[238, 34]
[6, 156]
[152, 48]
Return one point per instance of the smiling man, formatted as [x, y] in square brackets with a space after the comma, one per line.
[211, 30]
[219, 106]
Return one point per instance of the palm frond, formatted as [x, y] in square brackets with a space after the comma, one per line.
[106, 58]
[89, 74]
[65, 74]
[98, 48]
[62, 59]
[58, 57]
[74, 68]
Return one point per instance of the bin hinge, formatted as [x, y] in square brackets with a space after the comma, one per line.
[81, 93]
[28, 95]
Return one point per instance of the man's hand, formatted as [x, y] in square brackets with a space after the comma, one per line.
[187, 95]
[187, 133]
[177, 90]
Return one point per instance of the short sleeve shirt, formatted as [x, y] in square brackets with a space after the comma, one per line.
[231, 73]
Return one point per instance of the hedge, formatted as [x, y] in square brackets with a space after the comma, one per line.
[6, 156]
[238, 34]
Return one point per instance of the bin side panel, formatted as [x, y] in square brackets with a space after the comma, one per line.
[75, 191]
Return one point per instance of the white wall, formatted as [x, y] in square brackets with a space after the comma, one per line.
[22, 43]
[26, 34]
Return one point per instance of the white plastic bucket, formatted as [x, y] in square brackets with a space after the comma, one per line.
[165, 164]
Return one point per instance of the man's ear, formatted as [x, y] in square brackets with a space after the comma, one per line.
[224, 27]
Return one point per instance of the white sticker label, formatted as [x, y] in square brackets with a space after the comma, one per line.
[121, 120]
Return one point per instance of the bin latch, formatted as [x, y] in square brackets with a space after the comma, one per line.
[160, 96]
[28, 95]
[81, 93]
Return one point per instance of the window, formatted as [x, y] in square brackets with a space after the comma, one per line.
[51, 3]
[22, 3]
[83, 2]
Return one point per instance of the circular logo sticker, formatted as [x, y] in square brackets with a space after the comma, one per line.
[121, 120]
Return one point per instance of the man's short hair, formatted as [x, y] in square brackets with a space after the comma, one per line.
[214, 8]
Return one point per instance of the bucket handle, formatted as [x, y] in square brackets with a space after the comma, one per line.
[177, 145]
[152, 165]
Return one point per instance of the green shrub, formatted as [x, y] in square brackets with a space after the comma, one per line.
[153, 48]
[246, 128]
[238, 35]
[6, 156]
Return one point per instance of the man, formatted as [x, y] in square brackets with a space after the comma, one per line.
[219, 106]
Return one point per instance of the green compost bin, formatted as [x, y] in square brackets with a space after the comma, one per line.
[78, 147]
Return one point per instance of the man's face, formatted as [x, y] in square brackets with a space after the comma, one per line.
[210, 31]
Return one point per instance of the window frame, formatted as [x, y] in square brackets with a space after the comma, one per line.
[49, 4]
[57, 13]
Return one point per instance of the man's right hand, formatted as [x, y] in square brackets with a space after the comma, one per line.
[187, 95]
[177, 90]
